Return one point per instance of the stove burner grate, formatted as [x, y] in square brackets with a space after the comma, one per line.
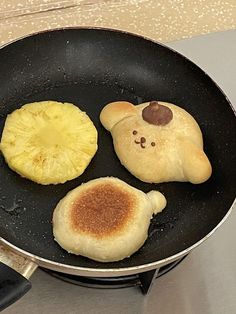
[143, 280]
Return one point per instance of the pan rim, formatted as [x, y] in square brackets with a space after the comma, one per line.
[112, 272]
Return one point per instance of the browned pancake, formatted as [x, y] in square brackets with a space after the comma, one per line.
[105, 219]
[102, 210]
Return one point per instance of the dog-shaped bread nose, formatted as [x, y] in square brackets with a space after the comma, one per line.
[142, 142]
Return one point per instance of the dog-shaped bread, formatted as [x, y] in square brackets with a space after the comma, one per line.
[157, 141]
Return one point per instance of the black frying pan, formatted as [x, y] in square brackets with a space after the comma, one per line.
[91, 67]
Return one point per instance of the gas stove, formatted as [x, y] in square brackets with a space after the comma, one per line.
[143, 280]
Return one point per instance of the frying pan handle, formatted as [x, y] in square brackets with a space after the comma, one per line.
[14, 272]
[12, 286]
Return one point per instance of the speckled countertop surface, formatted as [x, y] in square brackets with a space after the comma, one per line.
[163, 20]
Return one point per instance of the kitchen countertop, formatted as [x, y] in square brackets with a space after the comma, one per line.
[205, 282]
[163, 20]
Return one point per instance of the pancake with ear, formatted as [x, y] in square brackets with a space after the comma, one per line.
[105, 219]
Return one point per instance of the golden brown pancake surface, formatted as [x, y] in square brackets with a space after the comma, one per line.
[102, 210]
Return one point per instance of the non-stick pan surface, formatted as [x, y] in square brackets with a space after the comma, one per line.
[91, 67]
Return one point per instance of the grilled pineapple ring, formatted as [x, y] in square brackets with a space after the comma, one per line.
[49, 142]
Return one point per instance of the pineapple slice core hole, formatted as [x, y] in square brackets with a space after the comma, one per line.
[49, 136]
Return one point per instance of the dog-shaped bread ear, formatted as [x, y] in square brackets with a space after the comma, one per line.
[114, 112]
[196, 165]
